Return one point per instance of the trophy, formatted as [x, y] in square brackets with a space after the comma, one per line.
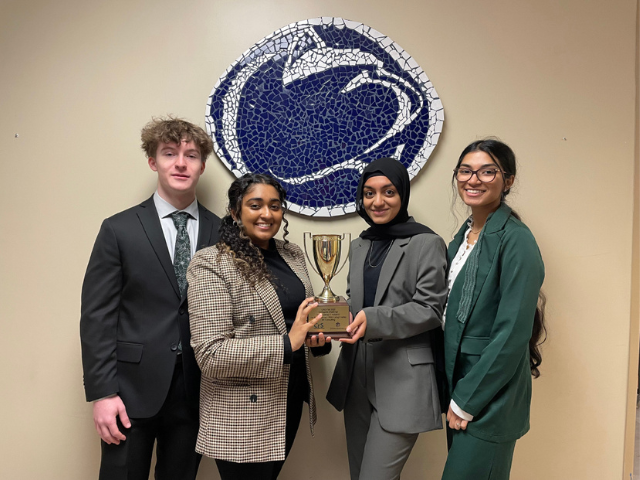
[327, 250]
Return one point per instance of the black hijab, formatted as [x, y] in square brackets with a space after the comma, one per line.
[398, 227]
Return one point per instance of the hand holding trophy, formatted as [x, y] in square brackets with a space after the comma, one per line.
[327, 250]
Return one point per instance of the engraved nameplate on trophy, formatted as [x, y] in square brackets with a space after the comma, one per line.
[327, 251]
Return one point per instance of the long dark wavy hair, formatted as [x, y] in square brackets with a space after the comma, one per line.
[233, 239]
[504, 157]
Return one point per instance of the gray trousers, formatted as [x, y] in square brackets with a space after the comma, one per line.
[374, 453]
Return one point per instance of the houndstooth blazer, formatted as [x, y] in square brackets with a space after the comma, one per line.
[237, 337]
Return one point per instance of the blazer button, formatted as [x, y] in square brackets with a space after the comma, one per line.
[253, 398]
[174, 347]
[252, 319]
[181, 311]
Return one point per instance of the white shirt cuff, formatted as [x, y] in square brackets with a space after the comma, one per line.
[461, 413]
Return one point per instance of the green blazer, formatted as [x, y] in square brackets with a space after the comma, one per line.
[487, 351]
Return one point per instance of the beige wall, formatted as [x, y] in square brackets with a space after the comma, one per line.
[634, 330]
[555, 79]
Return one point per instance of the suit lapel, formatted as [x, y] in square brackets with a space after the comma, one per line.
[494, 229]
[205, 227]
[455, 243]
[148, 216]
[356, 285]
[270, 299]
[269, 296]
[396, 252]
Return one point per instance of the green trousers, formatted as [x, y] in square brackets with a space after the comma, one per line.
[471, 458]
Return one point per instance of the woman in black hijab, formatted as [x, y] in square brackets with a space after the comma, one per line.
[385, 376]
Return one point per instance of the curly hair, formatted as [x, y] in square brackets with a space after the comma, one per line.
[233, 239]
[174, 130]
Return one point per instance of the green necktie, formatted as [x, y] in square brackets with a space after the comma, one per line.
[182, 252]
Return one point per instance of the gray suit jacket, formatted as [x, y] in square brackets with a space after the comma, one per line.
[409, 302]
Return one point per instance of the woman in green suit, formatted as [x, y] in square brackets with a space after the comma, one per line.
[492, 321]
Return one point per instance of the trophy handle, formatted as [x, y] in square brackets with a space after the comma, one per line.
[306, 253]
[346, 257]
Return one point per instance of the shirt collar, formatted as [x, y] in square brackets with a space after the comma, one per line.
[165, 209]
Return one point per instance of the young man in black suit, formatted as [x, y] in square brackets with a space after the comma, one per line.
[139, 369]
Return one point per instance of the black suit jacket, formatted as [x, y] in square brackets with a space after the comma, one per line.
[133, 316]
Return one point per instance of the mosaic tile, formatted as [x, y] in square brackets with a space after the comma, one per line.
[316, 101]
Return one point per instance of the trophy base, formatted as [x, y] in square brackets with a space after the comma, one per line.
[334, 321]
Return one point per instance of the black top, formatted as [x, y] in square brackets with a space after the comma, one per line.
[374, 260]
[291, 293]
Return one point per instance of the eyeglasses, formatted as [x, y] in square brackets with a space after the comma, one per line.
[486, 175]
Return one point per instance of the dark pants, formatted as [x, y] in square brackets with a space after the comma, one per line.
[471, 458]
[174, 427]
[269, 470]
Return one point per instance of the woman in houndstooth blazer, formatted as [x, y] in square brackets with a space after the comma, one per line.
[249, 297]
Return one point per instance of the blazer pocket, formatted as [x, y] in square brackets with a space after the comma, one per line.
[231, 382]
[419, 355]
[473, 345]
[129, 352]
[470, 350]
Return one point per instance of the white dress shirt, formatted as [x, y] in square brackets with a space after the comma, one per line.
[165, 209]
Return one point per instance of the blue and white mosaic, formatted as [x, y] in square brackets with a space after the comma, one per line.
[316, 101]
